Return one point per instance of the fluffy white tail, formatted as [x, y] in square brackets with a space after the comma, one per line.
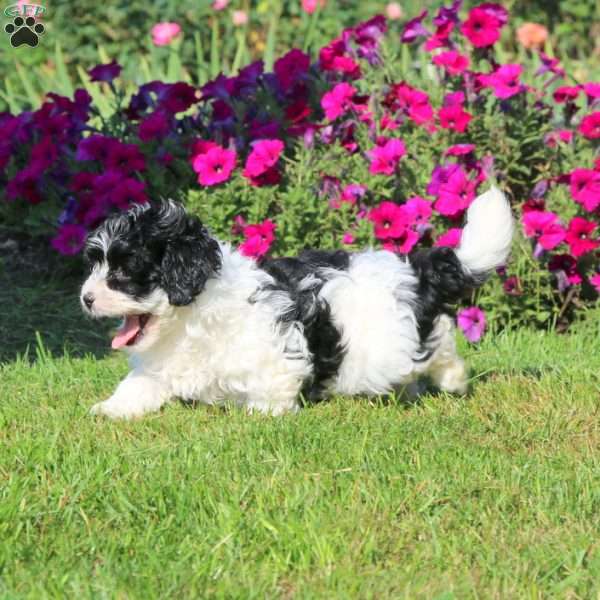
[487, 236]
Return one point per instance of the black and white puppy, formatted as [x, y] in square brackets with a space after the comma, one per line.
[204, 323]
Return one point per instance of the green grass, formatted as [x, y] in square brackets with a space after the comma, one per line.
[492, 496]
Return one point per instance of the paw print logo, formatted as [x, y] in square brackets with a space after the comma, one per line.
[24, 31]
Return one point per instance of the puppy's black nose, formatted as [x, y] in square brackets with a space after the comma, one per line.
[88, 300]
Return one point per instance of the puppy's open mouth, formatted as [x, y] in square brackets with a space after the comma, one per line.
[131, 330]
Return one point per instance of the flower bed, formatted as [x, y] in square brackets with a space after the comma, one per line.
[379, 141]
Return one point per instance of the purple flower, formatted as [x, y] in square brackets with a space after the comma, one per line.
[472, 323]
[70, 239]
[414, 29]
[447, 15]
[106, 72]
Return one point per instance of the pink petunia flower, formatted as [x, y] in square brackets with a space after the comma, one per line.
[69, 239]
[590, 126]
[214, 166]
[585, 188]
[385, 157]
[595, 281]
[564, 266]
[259, 238]
[348, 239]
[338, 101]
[592, 91]
[453, 62]
[454, 118]
[414, 29]
[456, 194]
[164, 33]
[334, 58]
[417, 211]
[220, 4]
[482, 28]
[472, 323]
[389, 220]
[579, 236]
[412, 102]
[262, 161]
[566, 93]
[450, 239]
[512, 286]
[310, 6]
[403, 243]
[459, 150]
[351, 193]
[505, 81]
[544, 227]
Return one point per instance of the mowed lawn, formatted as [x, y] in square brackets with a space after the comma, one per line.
[496, 495]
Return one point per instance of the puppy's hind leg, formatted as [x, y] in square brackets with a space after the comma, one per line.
[447, 368]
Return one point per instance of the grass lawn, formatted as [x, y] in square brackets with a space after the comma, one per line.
[492, 496]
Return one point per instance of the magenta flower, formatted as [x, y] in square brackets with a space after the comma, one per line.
[585, 188]
[338, 101]
[450, 239]
[164, 33]
[592, 91]
[348, 238]
[544, 227]
[69, 239]
[310, 6]
[453, 62]
[126, 158]
[440, 175]
[290, 68]
[482, 27]
[579, 236]
[259, 237]
[505, 81]
[595, 281]
[414, 29]
[550, 65]
[472, 323]
[417, 212]
[262, 160]
[178, 97]
[590, 126]
[106, 72]
[389, 221]
[214, 166]
[564, 266]
[453, 117]
[411, 101]
[456, 194]
[26, 185]
[385, 157]
[459, 150]
[128, 193]
[333, 58]
[95, 147]
[350, 194]
[566, 93]
[403, 243]
[154, 127]
[512, 286]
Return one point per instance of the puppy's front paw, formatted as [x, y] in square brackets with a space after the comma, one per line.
[116, 410]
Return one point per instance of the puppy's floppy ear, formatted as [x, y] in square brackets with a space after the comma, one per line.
[191, 256]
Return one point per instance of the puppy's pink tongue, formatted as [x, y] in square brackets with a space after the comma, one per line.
[126, 332]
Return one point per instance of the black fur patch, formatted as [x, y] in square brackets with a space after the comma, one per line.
[314, 313]
[156, 246]
[442, 282]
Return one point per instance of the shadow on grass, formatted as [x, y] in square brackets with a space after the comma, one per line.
[39, 295]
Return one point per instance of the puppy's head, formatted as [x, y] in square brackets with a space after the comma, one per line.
[143, 263]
